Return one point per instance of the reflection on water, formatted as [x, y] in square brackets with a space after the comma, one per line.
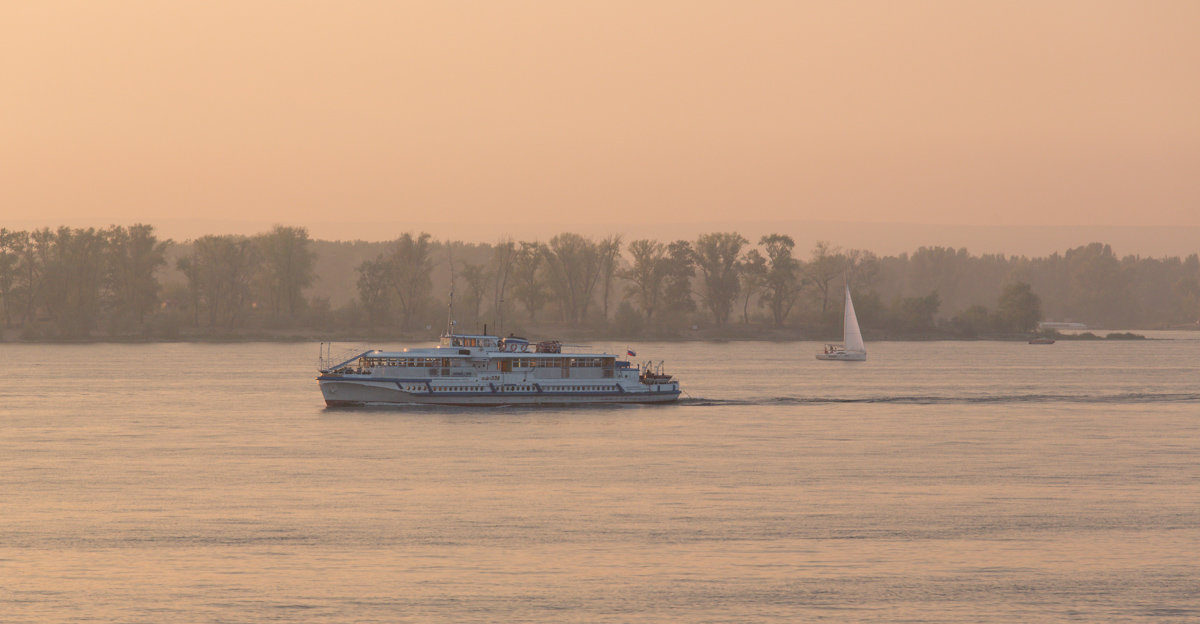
[938, 482]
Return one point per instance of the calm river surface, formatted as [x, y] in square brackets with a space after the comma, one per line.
[938, 482]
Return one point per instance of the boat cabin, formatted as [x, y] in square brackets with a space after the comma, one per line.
[472, 355]
[509, 344]
[481, 341]
[536, 365]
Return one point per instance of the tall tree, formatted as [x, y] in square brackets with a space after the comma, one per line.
[681, 268]
[31, 272]
[782, 280]
[717, 256]
[74, 279]
[1097, 289]
[411, 264]
[477, 278]
[863, 267]
[288, 268]
[1018, 308]
[11, 245]
[752, 271]
[221, 272]
[374, 287]
[574, 264]
[942, 269]
[527, 271]
[825, 266]
[610, 266]
[504, 257]
[646, 274]
[134, 255]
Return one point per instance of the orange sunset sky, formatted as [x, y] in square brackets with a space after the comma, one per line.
[482, 119]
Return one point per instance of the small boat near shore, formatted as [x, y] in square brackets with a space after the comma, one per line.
[852, 348]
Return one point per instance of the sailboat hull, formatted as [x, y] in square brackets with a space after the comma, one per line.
[843, 356]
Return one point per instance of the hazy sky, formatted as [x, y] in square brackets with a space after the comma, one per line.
[366, 119]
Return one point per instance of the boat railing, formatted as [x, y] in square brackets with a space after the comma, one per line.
[328, 358]
[651, 374]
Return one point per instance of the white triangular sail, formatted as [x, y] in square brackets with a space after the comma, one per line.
[851, 336]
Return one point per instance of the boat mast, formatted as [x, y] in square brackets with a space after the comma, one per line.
[450, 306]
[500, 325]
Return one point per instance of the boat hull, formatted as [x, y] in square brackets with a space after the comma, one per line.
[365, 393]
[843, 356]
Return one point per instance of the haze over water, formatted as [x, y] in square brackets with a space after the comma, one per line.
[364, 120]
[937, 482]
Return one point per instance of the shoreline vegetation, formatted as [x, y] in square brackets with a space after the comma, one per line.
[125, 285]
[566, 334]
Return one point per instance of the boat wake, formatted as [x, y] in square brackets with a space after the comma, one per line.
[1126, 398]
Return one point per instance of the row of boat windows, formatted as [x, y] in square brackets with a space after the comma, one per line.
[510, 388]
[471, 342]
[560, 362]
[429, 362]
[369, 362]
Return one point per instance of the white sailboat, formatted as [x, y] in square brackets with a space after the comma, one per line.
[852, 348]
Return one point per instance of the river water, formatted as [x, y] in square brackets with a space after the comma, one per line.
[937, 482]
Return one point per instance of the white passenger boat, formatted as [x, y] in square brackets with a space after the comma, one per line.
[487, 370]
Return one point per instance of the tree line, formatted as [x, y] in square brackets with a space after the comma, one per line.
[85, 282]
[125, 282]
